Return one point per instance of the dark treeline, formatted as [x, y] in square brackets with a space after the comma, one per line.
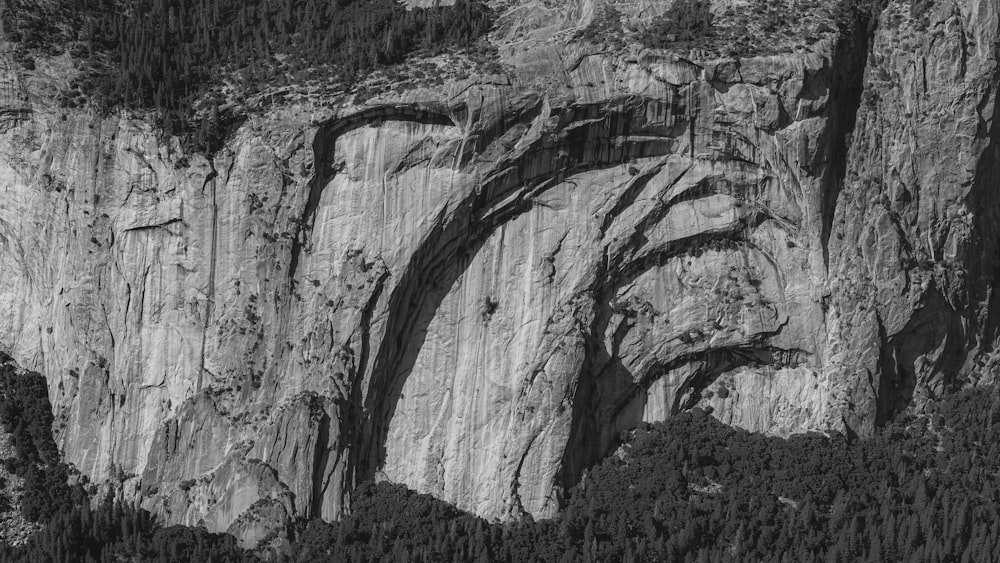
[73, 531]
[114, 531]
[175, 56]
[692, 489]
[26, 415]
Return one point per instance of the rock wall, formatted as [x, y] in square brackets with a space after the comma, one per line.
[913, 249]
[473, 289]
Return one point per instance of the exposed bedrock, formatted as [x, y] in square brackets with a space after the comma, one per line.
[914, 252]
[473, 289]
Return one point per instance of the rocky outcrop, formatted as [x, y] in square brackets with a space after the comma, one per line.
[913, 247]
[473, 289]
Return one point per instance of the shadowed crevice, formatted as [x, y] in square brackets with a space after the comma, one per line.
[848, 84]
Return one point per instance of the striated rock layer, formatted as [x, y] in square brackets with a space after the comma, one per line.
[473, 289]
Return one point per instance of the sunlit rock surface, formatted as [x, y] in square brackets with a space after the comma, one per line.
[472, 289]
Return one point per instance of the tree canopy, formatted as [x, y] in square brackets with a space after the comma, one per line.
[183, 59]
[693, 489]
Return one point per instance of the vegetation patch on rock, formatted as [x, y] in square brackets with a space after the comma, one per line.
[194, 64]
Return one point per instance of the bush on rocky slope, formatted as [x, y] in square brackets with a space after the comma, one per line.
[685, 20]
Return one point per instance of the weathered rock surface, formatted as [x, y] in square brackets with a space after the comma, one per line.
[472, 289]
[913, 250]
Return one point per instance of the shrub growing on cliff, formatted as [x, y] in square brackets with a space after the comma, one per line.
[685, 20]
[605, 27]
[920, 12]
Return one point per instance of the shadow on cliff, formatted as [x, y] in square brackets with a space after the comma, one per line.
[982, 258]
[611, 397]
[596, 414]
[847, 87]
[448, 250]
[324, 146]
[587, 138]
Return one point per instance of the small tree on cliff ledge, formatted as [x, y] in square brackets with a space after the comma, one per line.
[685, 20]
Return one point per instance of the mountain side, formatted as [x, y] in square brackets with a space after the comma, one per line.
[913, 244]
[471, 288]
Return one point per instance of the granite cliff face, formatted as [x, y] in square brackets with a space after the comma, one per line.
[472, 289]
[913, 267]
